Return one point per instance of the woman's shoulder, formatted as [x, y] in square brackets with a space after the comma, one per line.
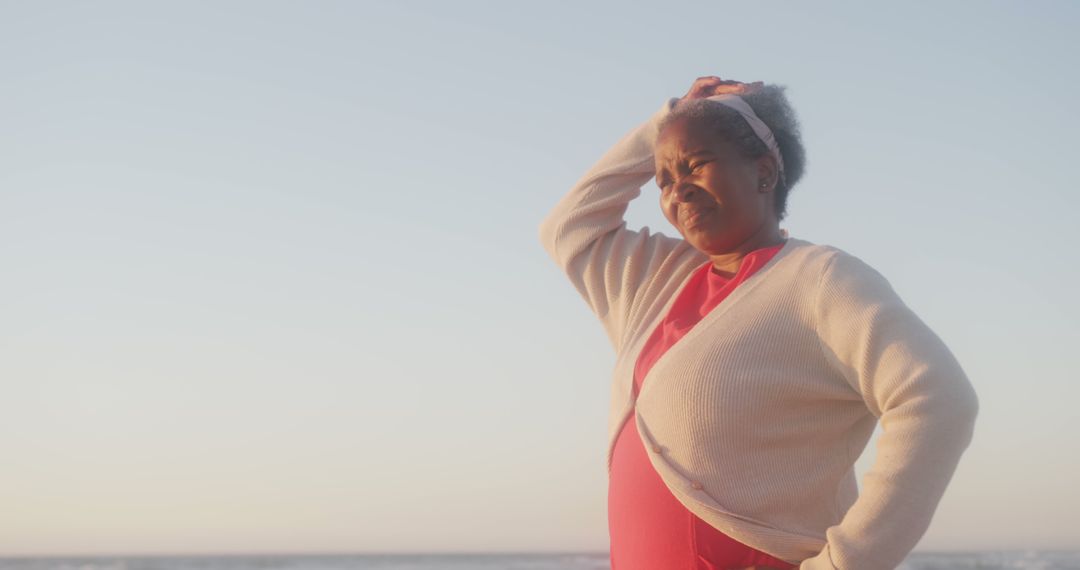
[826, 255]
[805, 257]
[832, 265]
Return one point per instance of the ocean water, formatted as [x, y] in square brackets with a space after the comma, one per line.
[1010, 560]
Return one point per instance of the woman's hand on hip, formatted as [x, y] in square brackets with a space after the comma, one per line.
[712, 85]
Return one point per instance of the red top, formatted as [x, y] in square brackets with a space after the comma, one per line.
[650, 529]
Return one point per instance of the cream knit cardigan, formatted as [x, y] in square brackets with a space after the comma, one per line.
[755, 418]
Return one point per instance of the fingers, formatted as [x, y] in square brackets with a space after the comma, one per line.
[737, 88]
[703, 87]
[710, 85]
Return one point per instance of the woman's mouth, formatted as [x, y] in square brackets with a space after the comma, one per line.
[693, 217]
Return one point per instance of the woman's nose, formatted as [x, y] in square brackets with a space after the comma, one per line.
[684, 192]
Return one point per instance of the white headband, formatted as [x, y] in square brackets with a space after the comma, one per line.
[760, 128]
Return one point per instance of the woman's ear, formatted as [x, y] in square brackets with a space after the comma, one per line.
[767, 173]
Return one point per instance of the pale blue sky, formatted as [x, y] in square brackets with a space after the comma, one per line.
[272, 281]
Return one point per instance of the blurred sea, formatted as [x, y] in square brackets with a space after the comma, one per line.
[1010, 560]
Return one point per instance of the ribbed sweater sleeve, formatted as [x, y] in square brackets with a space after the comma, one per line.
[587, 236]
[922, 398]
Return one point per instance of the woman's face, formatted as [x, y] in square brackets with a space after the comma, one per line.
[708, 191]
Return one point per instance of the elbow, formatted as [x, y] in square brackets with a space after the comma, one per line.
[548, 233]
[962, 411]
[947, 413]
[965, 400]
[970, 407]
[973, 403]
[561, 234]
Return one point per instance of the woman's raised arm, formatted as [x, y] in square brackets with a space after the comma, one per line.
[587, 236]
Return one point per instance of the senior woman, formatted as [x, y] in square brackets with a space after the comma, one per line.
[751, 367]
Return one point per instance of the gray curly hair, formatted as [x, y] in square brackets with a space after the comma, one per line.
[772, 107]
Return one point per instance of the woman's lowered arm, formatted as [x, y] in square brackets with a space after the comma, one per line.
[910, 380]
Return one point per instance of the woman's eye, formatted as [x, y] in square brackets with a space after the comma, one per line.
[695, 167]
